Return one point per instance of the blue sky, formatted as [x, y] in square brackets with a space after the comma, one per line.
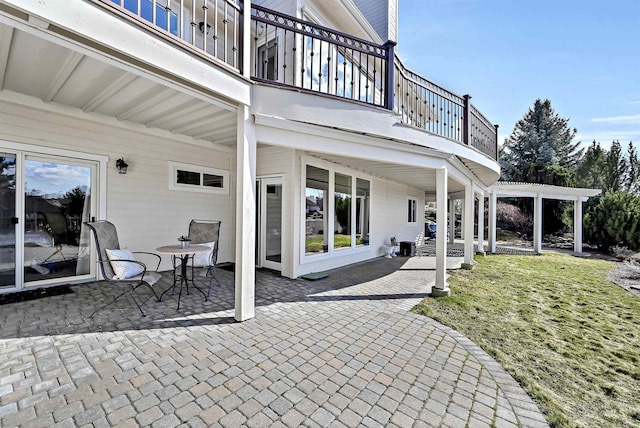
[583, 55]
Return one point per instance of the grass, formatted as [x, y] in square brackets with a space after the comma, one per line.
[314, 245]
[555, 322]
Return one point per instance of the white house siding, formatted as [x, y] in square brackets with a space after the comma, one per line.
[288, 7]
[146, 213]
[277, 161]
[377, 13]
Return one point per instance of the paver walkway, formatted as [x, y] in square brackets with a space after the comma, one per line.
[343, 351]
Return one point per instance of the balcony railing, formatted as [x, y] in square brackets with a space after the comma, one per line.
[292, 52]
[211, 28]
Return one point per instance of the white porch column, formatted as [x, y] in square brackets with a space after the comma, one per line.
[440, 288]
[577, 225]
[452, 220]
[245, 279]
[468, 224]
[493, 203]
[537, 224]
[462, 219]
[481, 223]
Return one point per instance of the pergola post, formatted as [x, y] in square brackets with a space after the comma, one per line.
[468, 224]
[577, 226]
[493, 203]
[440, 288]
[462, 217]
[480, 249]
[537, 224]
[245, 278]
[452, 220]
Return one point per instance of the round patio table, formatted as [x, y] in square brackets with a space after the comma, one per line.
[183, 254]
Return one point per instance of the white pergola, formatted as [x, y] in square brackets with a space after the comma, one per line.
[538, 192]
[445, 206]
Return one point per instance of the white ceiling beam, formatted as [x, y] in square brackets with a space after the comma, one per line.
[182, 110]
[109, 91]
[70, 64]
[149, 101]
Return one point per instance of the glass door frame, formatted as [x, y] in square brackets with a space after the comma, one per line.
[98, 210]
[261, 231]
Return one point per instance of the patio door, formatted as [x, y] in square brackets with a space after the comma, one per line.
[44, 201]
[269, 223]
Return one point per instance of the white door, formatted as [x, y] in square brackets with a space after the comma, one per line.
[45, 201]
[269, 244]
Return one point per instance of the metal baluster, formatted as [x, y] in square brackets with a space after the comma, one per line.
[139, 10]
[284, 56]
[153, 13]
[168, 10]
[215, 29]
[193, 22]
[312, 54]
[181, 20]
[265, 60]
[205, 23]
[303, 60]
[226, 32]
[235, 27]
[256, 56]
[320, 68]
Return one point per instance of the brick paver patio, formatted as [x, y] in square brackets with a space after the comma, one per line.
[343, 352]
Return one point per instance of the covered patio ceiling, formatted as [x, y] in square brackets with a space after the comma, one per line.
[43, 70]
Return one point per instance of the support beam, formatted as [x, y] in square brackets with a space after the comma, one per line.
[245, 217]
[480, 223]
[493, 205]
[452, 220]
[462, 218]
[440, 288]
[577, 226]
[537, 224]
[468, 224]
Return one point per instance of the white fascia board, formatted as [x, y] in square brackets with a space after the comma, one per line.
[106, 29]
[312, 138]
[324, 111]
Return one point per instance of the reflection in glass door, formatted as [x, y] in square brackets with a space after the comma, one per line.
[270, 223]
[57, 200]
[8, 220]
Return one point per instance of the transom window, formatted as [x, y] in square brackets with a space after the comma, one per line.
[193, 178]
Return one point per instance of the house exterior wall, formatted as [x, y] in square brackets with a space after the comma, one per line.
[382, 15]
[140, 204]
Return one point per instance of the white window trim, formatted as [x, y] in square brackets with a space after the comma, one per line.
[333, 252]
[174, 185]
[415, 210]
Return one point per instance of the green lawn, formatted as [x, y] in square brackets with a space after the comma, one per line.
[555, 322]
[314, 245]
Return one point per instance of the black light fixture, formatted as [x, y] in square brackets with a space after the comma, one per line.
[201, 26]
[121, 166]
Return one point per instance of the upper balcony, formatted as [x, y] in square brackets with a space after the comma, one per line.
[290, 52]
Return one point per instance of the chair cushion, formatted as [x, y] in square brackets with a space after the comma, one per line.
[122, 268]
[203, 259]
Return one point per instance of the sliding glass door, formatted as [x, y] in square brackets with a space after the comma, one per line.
[44, 201]
[8, 221]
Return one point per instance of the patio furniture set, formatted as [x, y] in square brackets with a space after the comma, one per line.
[119, 267]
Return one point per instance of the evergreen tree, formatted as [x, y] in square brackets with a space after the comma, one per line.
[615, 167]
[590, 169]
[539, 139]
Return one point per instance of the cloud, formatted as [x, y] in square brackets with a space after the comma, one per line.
[606, 137]
[620, 120]
[634, 102]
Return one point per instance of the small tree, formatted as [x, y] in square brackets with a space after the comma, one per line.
[613, 219]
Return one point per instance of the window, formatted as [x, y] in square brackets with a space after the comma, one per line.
[337, 211]
[193, 178]
[412, 210]
[317, 189]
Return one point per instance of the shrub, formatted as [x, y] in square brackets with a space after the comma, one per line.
[510, 217]
[613, 220]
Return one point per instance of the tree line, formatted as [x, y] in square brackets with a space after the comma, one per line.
[541, 149]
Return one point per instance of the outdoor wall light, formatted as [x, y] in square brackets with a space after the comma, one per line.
[121, 166]
[201, 26]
